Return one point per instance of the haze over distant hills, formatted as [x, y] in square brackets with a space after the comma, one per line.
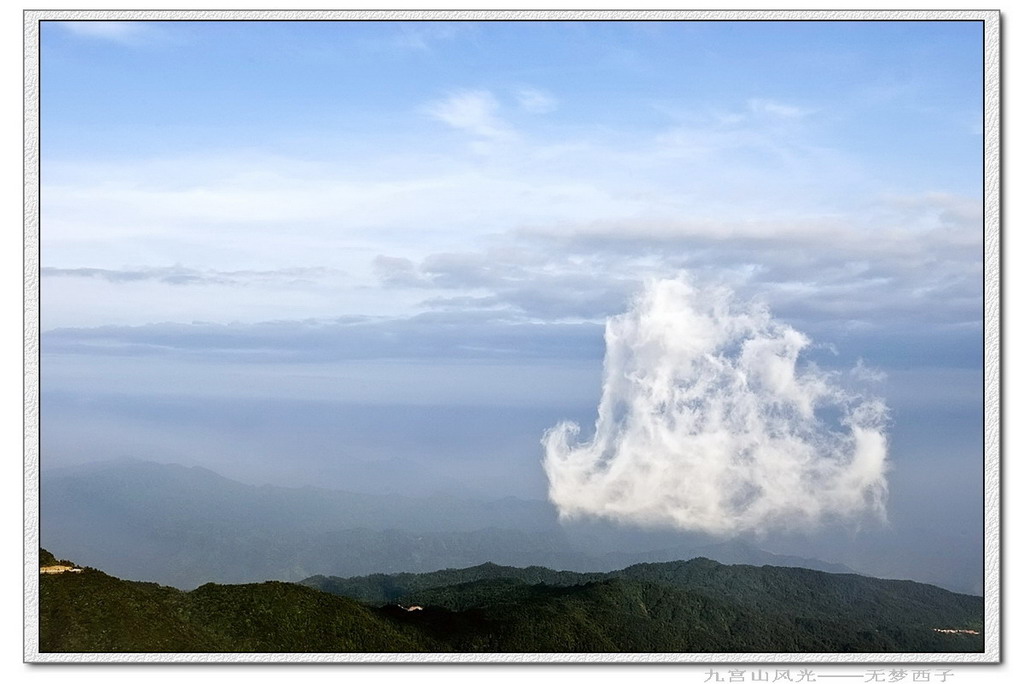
[185, 526]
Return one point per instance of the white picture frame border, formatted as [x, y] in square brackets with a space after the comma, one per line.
[992, 331]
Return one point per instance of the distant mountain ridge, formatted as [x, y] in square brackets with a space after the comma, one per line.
[734, 552]
[183, 526]
[767, 587]
[688, 606]
[187, 525]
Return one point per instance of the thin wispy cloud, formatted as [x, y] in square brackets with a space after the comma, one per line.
[475, 334]
[536, 101]
[472, 111]
[397, 271]
[425, 36]
[181, 275]
[866, 373]
[539, 219]
[776, 109]
[130, 33]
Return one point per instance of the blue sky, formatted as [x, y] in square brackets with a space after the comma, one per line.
[314, 170]
[444, 214]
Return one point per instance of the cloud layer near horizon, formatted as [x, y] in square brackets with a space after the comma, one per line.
[709, 423]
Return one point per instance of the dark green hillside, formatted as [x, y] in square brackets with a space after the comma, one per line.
[695, 606]
[806, 593]
[814, 594]
[288, 618]
[757, 608]
[46, 558]
[611, 615]
[94, 612]
[608, 616]
[380, 588]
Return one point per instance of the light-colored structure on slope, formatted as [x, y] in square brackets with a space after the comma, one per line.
[57, 569]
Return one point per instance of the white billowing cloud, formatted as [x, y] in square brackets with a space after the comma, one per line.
[708, 423]
[536, 101]
[473, 111]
